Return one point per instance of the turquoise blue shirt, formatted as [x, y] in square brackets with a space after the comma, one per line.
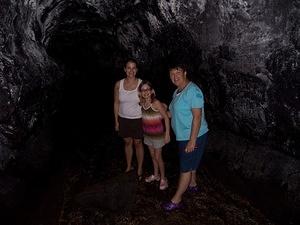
[189, 98]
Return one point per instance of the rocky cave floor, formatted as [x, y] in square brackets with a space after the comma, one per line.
[76, 196]
[215, 204]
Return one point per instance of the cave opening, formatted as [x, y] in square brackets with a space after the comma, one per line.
[89, 55]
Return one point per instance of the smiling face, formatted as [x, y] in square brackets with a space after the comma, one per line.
[146, 91]
[130, 69]
[178, 77]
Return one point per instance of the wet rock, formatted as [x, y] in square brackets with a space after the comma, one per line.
[214, 204]
[117, 193]
[268, 177]
[9, 192]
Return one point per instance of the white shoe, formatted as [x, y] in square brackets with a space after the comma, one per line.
[163, 184]
[152, 178]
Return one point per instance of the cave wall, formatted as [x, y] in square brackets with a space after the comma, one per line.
[28, 80]
[244, 54]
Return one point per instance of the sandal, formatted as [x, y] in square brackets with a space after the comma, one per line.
[131, 169]
[171, 206]
[192, 189]
[140, 177]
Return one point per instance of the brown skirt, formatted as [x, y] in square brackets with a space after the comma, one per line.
[130, 128]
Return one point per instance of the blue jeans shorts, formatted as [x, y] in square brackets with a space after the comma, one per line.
[190, 161]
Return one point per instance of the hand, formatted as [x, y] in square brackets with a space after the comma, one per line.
[116, 126]
[169, 114]
[191, 146]
[167, 139]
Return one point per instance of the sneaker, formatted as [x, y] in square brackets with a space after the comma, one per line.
[152, 178]
[192, 189]
[163, 184]
[171, 206]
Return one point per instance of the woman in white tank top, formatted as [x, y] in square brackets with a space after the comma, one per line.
[128, 115]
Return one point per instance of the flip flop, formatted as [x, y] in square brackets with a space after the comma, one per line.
[131, 169]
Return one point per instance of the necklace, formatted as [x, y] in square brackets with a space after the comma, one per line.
[146, 104]
[179, 90]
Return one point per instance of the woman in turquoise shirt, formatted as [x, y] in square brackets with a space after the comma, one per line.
[190, 128]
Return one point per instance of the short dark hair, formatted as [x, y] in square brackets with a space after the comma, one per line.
[176, 65]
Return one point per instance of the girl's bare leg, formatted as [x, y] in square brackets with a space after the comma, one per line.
[139, 148]
[154, 161]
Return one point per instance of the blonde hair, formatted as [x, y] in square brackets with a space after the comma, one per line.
[145, 82]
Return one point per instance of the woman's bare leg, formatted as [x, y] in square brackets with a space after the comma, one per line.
[184, 181]
[128, 152]
[193, 182]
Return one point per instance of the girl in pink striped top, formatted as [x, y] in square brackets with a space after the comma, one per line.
[156, 127]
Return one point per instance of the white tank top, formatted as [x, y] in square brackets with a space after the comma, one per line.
[129, 102]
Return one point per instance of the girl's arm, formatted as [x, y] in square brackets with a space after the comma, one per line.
[166, 108]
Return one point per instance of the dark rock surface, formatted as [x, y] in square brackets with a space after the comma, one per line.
[214, 205]
[244, 54]
[117, 193]
[273, 182]
[98, 188]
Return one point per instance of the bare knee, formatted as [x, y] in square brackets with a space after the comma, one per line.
[157, 155]
[128, 141]
[137, 142]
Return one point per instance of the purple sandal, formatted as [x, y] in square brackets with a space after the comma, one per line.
[192, 189]
[171, 206]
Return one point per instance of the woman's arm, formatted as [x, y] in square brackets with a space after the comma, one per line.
[116, 105]
[161, 107]
[196, 124]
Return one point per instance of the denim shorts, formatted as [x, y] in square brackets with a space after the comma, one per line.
[190, 161]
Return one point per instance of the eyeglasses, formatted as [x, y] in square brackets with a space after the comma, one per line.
[145, 89]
